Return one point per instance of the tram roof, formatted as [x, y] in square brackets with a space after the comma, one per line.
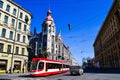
[45, 59]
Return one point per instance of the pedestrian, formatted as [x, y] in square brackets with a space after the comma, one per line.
[10, 69]
[23, 69]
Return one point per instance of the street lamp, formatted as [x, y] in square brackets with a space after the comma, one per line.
[12, 58]
[36, 49]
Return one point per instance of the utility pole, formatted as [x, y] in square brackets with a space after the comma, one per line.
[36, 48]
[14, 42]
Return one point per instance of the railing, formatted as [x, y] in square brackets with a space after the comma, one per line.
[2, 23]
[28, 33]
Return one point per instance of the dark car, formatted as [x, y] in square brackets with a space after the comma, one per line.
[76, 70]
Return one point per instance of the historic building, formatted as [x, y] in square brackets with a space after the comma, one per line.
[107, 43]
[48, 44]
[14, 33]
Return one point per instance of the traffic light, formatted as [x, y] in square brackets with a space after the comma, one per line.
[69, 26]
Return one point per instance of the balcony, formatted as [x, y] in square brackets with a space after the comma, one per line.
[29, 47]
[29, 34]
[12, 26]
[1, 23]
[5, 24]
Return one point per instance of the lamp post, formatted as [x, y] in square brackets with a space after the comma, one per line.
[36, 48]
[81, 57]
[12, 58]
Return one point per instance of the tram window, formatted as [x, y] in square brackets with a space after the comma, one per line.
[50, 65]
[67, 66]
[41, 65]
[59, 66]
[53, 66]
[64, 66]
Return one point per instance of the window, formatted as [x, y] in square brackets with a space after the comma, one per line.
[17, 50]
[8, 8]
[26, 19]
[6, 19]
[1, 47]
[3, 64]
[45, 28]
[21, 15]
[23, 51]
[13, 22]
[14, 11]
[41, 65]
[23, 39]
[0, 15]
[25, 27]
[11, 35]
[18, 37]
[19, 26]
[1, 4]
[3, 33]
[9, 49]
[53, 65]
[17, 65]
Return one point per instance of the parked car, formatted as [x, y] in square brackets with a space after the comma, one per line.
[76, 70]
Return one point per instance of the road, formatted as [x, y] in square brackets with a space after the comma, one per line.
[64, 76]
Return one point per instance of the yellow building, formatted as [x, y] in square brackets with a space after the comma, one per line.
[14, 33]
[107, 43]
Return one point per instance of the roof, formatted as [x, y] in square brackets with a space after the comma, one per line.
[49, 17]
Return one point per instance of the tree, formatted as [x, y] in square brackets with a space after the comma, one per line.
[44, 53]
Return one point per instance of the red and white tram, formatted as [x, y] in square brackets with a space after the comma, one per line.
[45, 67]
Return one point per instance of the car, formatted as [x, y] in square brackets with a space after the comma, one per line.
[75, 70]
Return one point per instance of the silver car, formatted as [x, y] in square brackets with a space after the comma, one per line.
[76, 70]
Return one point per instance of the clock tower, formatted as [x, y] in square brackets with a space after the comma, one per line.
[48, 36]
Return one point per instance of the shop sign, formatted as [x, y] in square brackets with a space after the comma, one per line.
[4, 55]
[3, 62]
[17, 63]
[20, 57]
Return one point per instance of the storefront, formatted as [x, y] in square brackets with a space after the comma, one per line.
[3, 65]
[17, 66]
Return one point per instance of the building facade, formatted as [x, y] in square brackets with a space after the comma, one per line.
[14, 33]
[107, 43]
[48, 44]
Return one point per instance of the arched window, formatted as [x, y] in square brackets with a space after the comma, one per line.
[1, 4]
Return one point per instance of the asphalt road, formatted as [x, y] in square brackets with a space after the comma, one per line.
[64, 76]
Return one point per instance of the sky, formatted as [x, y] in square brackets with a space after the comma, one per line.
[85, 17]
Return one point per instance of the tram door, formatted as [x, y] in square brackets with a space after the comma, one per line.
[46, 67]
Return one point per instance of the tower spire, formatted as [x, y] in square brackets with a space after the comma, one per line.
[34, 30]
[49, 17]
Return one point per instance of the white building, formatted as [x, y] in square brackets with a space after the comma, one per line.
[14, 33]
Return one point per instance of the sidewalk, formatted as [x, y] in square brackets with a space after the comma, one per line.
[14, 74]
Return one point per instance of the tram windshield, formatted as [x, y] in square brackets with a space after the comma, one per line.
[41, 65]
[37, 65]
